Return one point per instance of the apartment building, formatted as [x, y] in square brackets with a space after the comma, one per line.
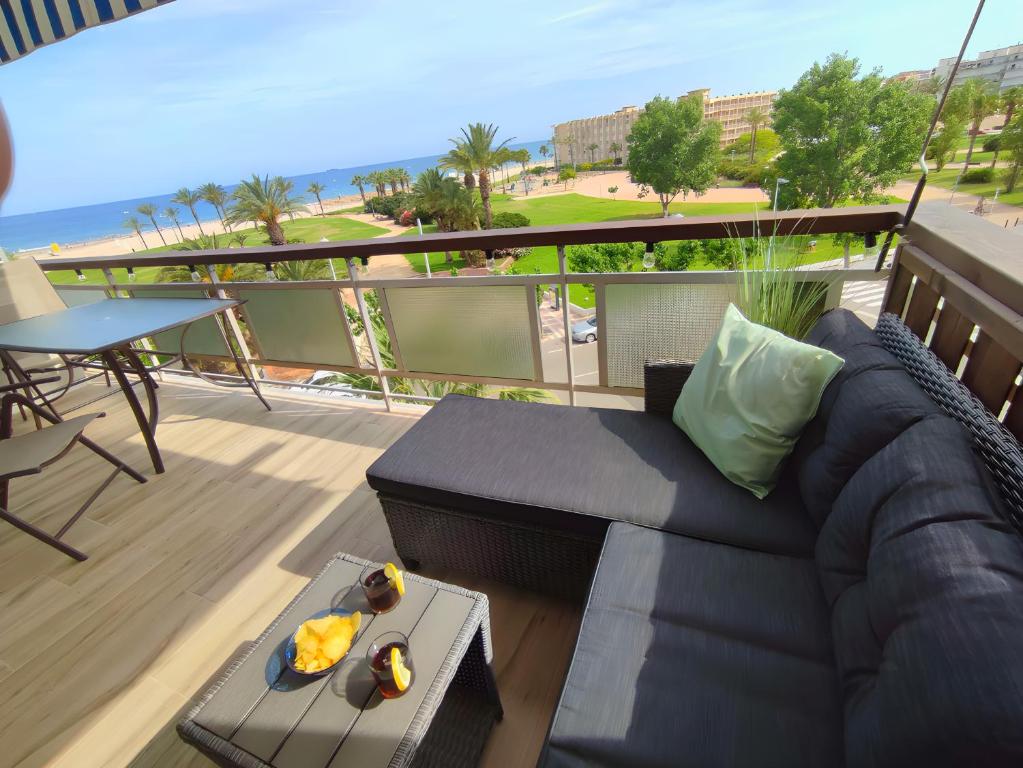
[573, 138]
[1001, 66]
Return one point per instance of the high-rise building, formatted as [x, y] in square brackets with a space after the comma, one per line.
[1001, 66]
[575, 136]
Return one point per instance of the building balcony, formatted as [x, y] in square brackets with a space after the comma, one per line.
[101, 658]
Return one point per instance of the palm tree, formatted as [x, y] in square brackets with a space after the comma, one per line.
[457, 160]
[1010, 99]
[570, 141]
[265, 200]
[225, 272]
[544, 151]
[133, 223]
[756, 117]
[360, 182]
[185, 196]
[393, 178]
[240, 238]
[404, 178]
[616, 151]
[316, 189]
[306, 269]
[215, 195]
[149, 210]
[592, 149]
[379, 180]
[974, 99]
[477, 145]
[173, 214]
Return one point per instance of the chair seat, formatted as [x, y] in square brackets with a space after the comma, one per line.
[28, 453]
[697, 654]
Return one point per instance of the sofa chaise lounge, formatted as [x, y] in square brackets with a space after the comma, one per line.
[868, 612]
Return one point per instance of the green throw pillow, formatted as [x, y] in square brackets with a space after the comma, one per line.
[749, 397]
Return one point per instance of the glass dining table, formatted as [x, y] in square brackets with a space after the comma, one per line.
[107, 330]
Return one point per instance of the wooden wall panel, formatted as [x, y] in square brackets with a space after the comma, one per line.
[951, 335]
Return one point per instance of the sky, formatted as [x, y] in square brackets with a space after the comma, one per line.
[202, 90]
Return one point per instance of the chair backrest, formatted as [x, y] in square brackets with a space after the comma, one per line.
[25, 292]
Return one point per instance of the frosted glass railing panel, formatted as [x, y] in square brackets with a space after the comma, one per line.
[470, 331]
[297, 325]
[659, 322]
[77, 297]
[204, 337]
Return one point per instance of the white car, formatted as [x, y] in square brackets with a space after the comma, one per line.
[585, 331]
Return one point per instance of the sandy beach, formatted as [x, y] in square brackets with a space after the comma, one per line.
[120, 244]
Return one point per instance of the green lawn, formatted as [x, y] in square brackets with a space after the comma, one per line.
[947, 179]
[310, 230]
[575, 208]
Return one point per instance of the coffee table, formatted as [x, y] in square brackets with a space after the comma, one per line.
[260, 714]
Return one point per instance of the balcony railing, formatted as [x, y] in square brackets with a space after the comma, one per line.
[955, 282]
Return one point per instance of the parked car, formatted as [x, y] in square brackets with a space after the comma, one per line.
[585, 331]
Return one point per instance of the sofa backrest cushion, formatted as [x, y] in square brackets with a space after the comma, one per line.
[867, 405]
[925, 583]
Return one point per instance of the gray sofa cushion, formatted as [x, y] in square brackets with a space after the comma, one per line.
[571, 468]
[693, 653]
[925, 581]
[869, 404]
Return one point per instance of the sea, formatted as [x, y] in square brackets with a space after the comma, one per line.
[69, 226]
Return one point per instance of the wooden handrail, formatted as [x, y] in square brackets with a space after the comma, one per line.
[818, 221]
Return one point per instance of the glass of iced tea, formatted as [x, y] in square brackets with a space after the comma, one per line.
[384, 585]
[391, 663]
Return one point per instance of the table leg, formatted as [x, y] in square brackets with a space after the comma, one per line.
[112, 361]
[253, 384]
[16, 373]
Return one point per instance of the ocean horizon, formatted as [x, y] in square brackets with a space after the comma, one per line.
[80, 224]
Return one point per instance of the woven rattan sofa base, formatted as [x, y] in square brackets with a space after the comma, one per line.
[543, 560]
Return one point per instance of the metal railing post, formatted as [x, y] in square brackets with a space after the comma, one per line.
[566, 319]
[367, 325]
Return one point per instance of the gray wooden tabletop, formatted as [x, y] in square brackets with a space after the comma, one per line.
[279, 718]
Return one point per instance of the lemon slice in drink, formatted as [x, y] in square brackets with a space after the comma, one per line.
[394, 576]
[402, 674]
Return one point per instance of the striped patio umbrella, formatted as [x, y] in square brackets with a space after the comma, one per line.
[29, 24]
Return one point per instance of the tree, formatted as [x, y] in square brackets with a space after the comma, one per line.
[592, 149]
[187, 197]
[845, 137]
[672, 149]
[225, 272]
[360, 182]
[544, 151]
[679, 258]
[393, 176]
[569, 141]
[1012, 142]
[603, 257]
[450, 204]
[756, 118]
[1011, 99]
[613, 191]
[173, 214]
[149, 210]
[477, 148]
[616, 152]
[379, 181]
[215, 195]
[973, 99]
[264, 200]
[566, 175]
[133, 223]
[316, 189]
[304, 269]
[944, 145]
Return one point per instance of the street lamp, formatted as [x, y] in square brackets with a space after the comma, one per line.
[330, 261]
[770, 245]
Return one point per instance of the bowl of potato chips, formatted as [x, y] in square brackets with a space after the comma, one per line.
[322, 641]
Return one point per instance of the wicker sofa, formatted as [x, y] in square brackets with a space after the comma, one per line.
[868, 612]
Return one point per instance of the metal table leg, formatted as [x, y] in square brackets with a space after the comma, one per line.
[146, 425]
[250, 382]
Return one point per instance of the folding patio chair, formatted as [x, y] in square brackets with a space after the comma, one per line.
[26, 292]
[31, 452]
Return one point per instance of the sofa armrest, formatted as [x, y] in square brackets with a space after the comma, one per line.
[662, 383]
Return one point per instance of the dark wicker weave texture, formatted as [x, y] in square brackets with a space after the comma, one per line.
[662, 382]
[998, 448]
[534, 558]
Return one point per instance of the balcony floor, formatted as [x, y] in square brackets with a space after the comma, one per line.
[99, 659]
